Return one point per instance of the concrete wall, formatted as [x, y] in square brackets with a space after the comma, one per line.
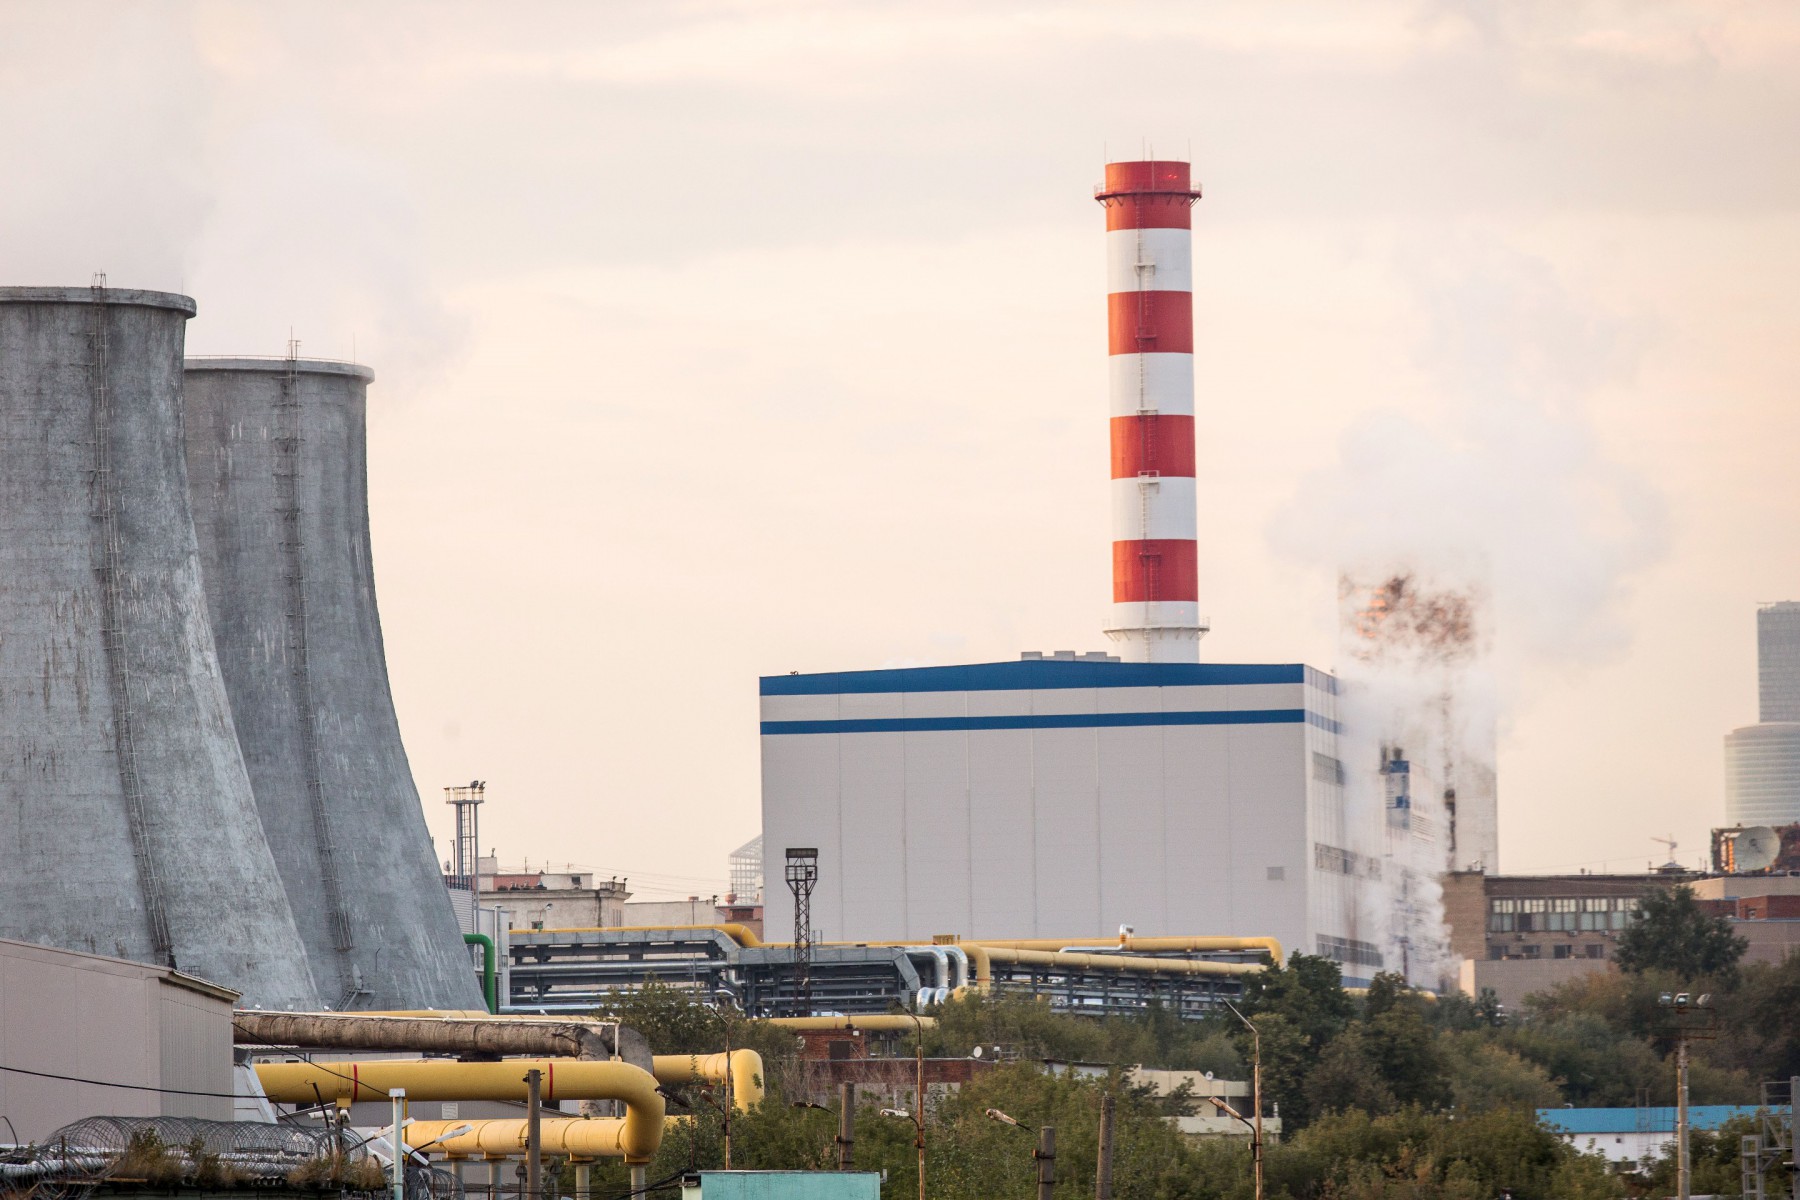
[281, 506]
[128, 1028]
[1513, 979]
[574, 908]
[122, 790]
[1057, 799]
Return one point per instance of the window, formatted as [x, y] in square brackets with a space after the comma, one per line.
[1503, 906]
[1277, 874]
[1531, 951]
[1562, 950]
[1596, 950]
[1327, 769]
[1496, 952]
[1348, 950]
[1501, 922]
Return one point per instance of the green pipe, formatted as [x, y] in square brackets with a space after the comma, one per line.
[490, 976]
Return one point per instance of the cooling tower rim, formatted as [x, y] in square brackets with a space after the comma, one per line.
[275, 364]
[85, 295]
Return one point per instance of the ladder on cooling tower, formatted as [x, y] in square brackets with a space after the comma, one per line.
[287, 492]
[112, 631]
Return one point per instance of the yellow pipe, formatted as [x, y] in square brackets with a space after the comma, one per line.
[746, 1072]
[444, 1079]
[585, 1137]
[1146, 945]
[873, 1023]
[1362, 993]
[1121, 962]
[743, 935]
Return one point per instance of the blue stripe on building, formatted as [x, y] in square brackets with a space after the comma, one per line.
[1263, 716]
[1041, 674]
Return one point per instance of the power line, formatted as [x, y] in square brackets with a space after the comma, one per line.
[135, 1087]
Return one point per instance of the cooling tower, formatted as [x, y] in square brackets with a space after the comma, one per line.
[277, 463]
[129, 826]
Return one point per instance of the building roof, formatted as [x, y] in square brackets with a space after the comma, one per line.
[1043, 673]
[1638, 1120]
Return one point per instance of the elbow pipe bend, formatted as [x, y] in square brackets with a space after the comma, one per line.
[745, 1068]
[352, 1081]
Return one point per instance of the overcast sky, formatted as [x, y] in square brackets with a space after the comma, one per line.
[720, 340]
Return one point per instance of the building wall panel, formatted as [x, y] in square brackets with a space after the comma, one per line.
[1133, 830]
[1002, 833]
[937, 832]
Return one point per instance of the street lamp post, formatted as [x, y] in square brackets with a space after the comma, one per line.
[1043, 1158]
[1689, 1017]
[1256, 1131]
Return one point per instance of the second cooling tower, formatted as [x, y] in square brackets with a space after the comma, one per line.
[277, 466]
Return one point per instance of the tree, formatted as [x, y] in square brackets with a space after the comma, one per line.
[1673, 934]
[1308, 991]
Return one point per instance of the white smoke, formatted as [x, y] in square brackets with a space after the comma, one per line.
[1499, 500]
[175, 148]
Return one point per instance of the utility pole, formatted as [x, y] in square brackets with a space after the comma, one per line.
[1046, 1162]
[1103, 1162]
[534, 1143]
[919, 1098]
[1683, 1166]
[397, 1098]
[846, 1135]
[1256, 1129]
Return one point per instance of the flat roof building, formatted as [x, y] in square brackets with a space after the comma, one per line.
[1068, 796]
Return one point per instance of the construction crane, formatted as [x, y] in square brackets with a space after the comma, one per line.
[1670, 843]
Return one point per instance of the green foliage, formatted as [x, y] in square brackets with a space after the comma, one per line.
[1415, 1154]
[1384, 1097]
[1672, 934]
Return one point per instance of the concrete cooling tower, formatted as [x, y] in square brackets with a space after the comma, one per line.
[129, 825]
[277, 463]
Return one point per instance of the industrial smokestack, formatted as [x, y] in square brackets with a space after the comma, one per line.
[130, 827]
[1150, 335]
[277, 462]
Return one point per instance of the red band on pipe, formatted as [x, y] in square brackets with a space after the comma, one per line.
[550, 1082]
[1163, 444]
[1149, 175]
[1155, 569]
[1148, 212]
[1150, 323]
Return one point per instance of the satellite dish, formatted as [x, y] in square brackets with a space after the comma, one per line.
[1755, 849]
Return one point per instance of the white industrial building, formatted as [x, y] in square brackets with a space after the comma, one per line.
[1066, 796]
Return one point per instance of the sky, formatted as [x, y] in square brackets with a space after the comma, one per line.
[730, 339]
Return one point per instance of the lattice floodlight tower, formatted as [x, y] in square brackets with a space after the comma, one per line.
[277, 465]
[1150, 343]
[802, 875]
[131, 829]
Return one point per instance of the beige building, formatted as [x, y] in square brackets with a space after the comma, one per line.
[571, 899]
[1519, 934]
[82, 1035]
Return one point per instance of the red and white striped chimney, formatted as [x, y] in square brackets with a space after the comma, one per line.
[1150, 335]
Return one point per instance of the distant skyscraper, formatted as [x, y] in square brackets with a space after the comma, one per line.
[1762, 761]
[1778, 661]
